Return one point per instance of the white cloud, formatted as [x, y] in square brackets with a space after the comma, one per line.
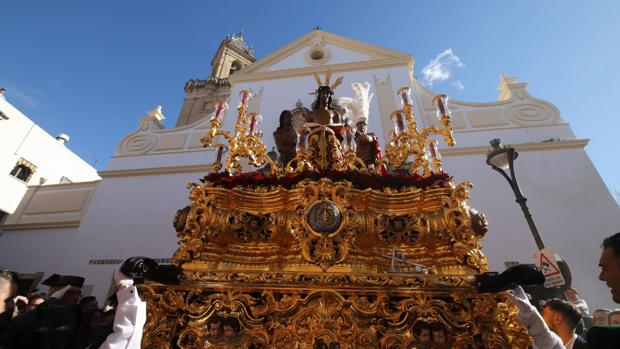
[457, 85]
[440, 68]
[26, 97]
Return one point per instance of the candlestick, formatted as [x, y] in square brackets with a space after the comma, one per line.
[349, 143]
[221, 149]
[220, 107]
[254, 120]
[441, 103]
[245, 96]
[403, 92]
[435, 155]
[399, 122]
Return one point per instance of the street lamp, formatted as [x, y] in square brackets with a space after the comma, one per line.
[501, 158]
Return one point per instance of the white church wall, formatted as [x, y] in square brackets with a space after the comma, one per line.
[128, 216]
[568, 200]
[198, 157]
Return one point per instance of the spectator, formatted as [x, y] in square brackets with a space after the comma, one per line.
[614, 317]
[6, 300]
[573, 296]
[601, 337]
[6, 305]
[562, 318]
[543, 337]
[70, 287]
[91, 322]
[108, 317]
[34, 300]
[52, 324]
[55, 323]
[610, 265]
[88, 304]
[601, 317]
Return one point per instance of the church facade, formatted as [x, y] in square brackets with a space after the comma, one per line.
[129, 211]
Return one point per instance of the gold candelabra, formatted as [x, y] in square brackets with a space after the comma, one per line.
[408, 140]
[245, 143]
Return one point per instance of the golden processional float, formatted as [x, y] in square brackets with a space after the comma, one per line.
[331, 246]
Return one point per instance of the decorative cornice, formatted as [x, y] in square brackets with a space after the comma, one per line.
[566, 144]
[165, 152]
[509, 127]
[155, 171]
[41, 225]
[553, 145]
[373, 51]
[271, 75]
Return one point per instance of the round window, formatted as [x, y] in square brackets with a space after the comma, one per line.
[317, 55]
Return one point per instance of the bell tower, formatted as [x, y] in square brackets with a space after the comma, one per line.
[201, 95]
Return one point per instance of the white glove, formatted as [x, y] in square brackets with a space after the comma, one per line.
[526, 309]
[60, 293]
[120, 278]
[536, 326]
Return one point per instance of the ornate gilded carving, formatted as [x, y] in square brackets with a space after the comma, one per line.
[327, 251]
[281, 319]
[251, 228]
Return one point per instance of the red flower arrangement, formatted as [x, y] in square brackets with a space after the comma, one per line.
[358, 180]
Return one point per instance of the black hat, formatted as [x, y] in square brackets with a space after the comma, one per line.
[64, 280]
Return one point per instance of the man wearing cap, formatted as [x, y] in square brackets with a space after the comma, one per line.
[66, 289]
[55, 323]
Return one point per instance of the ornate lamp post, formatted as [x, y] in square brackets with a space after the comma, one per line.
[501, 158]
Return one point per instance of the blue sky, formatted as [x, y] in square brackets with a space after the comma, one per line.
[92, 68]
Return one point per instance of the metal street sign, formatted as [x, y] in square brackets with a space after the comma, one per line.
[546, 260]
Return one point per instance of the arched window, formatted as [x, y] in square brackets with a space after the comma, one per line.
[23, 170]
[234, 67]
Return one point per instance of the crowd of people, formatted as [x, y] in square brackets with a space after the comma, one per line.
[65, 319]
[567, 323]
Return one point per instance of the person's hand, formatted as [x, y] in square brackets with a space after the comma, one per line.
[530, 318]
[20, 298]
[526, 309]
[58, 294]
[520, 299]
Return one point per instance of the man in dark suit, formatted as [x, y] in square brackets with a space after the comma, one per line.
[562, 318]
[605, 337]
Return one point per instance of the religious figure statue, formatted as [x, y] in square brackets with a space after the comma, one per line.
[367, 144]
[322, 112]
[321, 135]
[285, 138]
